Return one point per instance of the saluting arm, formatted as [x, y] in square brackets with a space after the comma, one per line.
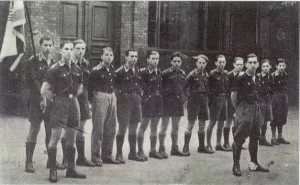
[234, 98]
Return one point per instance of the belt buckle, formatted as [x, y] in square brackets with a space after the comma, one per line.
[70, 95]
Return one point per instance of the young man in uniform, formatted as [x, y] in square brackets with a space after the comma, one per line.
[245, 99]
[238, 65]
[36, 69]
[83, 64]
[128, 89]
[173, 80]
[104, 116]
[62, 84]
[279, 101]
[264, 79]
[218, 88]
[196, 89]
[151, 104]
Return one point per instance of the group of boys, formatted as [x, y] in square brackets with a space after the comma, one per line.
[60, 94]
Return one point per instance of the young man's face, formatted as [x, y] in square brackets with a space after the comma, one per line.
[201, 64]
[79, 50]
[252, 64]
[153, 60]
[238, 65]
[67, 51]
[281, 67]
[132, 57]
[220, 63]
[265, 67]
[47, 47]
[107, 56]
[176, 62]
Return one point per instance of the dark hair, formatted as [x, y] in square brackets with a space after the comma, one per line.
[127, 52]
[280, 60]
[151, 52]
[220, 56]
[264, 61]
[79, 41]
[62, 44]
[46, 37]
[203, 56]
[107, 49]
[176, 54]
[237, 58]
[251, 55]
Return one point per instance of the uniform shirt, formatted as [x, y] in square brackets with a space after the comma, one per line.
[63, 79]
[197, 82]
[36, 70]
[264, 84]
[218, 82]
[151, 82]
[247, 88]
[128, 80]
[84, 68]
[279, 82]
[173, 83]
[232, 75]
[101, 80]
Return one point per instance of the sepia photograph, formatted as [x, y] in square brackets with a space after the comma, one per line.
[149, 92]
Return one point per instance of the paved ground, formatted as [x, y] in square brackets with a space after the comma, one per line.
[196, 169]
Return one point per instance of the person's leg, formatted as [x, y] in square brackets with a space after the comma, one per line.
[140, 139]
[153, 138]
[284, 111]
[226, 132]
[132, 142]
[162, 135]
[174, 136]
[209, 134]
[276, 118]
[219, 146]
[222, 119]
[187, 136]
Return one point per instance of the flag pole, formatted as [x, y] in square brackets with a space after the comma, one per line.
[30, 28]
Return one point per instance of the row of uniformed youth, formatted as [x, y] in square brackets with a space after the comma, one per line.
[61, 92]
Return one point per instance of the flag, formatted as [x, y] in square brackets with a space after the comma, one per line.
[14, 37]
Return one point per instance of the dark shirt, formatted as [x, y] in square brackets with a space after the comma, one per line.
[84, 68]
[63, 79]
[218, 82]
[264, 84]
[173, 83]
[151, 82]
[247, 89]
[231, 79]
[101, 80]
[128, 81]
[36, 70]
[197, 82]
[279, 82]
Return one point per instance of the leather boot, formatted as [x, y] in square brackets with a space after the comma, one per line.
[132, 154]
[236, 160]
[162, 149]
[30, 146]
[141, 153]
[219, 147]
[186, 147]
[71, 170]
[175, 151]
[201, 137]
[81, 159]
[52, 164]
[119, 155]
[64, 150]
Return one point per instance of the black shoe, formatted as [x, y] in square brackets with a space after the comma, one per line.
[97, 162]
[120, 158]
[142, 155]
[155, 155]
[135, 157]
[283, 141]
[186, 150]
[84, 162]
[175, 151]
[274, 142]
[236, 170]
[29, 167]
[73, 173]
[162, 152]
[209, 150]
[53, 176]
[260, 168]
[219, 147]
[227, 147]
[110, 160]
[264, 142]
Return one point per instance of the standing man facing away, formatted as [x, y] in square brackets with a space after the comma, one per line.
[245, 100]
[36, 69]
